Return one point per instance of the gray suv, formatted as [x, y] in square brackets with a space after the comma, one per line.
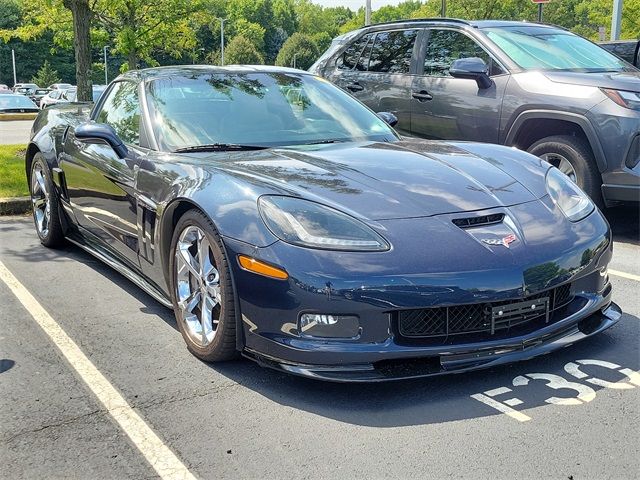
[536, 87]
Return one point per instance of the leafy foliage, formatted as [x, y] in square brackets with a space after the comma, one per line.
[46, 75]
[299, 47]
[142, 33]
[242, 51]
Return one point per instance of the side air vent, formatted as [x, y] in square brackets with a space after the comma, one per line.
[478, 221]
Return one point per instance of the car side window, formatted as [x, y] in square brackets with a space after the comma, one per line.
[445, 46]
[391, 51]
[121, 110]
[349, 59]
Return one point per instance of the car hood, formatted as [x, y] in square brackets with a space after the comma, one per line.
[405, 179]
[617, 80]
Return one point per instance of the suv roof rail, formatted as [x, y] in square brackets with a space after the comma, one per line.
[411, 20]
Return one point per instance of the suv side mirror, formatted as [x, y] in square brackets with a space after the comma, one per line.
[472, 68]
[388, 117]
[101, 131]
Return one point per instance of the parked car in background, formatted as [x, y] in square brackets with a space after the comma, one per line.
[4, 86]
[60, 86]
[31, 86]
[628, 50]
[283, 220]
[5, 91]
[51, 98]
[37, 95]
[537, 87]
[12, 103]
[27, 91]
[71, 95]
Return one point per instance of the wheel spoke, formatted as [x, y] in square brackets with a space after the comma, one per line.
[187, 259]
[41, 182]
[39, 203]
[203, 256]
[187, 305]
[205, 319]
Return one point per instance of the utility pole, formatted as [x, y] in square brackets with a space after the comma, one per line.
[616, 19]
[443, 8]
[13, 61]
[367, 13]
[106, 75]
[540, 13]
[294, 59]
[222, 20]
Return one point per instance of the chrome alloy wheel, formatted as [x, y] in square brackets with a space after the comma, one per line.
[197, 285]
[41, 200]
[561, 163]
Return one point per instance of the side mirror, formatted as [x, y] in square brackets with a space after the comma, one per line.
[472, 68]
[388, 117]
[102, 131]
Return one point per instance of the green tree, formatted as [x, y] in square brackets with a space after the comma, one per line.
[302, 47]
[46, 75]
[242, 51]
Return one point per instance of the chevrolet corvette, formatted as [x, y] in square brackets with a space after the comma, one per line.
[283, 220]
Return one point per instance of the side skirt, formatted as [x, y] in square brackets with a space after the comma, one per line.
[136, 278]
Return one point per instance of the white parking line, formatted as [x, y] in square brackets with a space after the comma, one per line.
[630, 276]
[162, 459]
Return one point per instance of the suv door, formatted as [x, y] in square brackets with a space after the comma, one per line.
[100, 185]
[444, 107]
[376, 69]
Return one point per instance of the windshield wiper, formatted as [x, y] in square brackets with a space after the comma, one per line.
[320, 142]
[218, 147]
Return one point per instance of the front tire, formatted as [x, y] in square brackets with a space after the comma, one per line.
[573, 157]
[201, 289]
[44, 200]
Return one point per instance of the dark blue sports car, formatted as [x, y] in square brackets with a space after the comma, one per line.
[283, 220]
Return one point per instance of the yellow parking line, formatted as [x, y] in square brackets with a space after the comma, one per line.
[630, 276]
[160, 457]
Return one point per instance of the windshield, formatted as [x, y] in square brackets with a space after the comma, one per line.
[15, 101]
[542, 48]
[263, 109]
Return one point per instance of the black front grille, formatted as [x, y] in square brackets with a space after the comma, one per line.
[482, 317]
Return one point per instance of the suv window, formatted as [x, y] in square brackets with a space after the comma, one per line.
[445, 46]
[391, 51]
[121, 110]
[350, 57]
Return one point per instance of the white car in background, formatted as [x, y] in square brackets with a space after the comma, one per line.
[60, 86]
[53, 97]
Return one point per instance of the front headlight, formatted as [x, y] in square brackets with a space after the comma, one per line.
[623, 98]
[573, 202]
[309, 224]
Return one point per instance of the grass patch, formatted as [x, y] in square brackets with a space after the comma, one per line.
[13, 181]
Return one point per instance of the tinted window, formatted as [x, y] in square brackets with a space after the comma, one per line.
[350, 57]
[445, 46]
[121, 110]
[363, 62]
[391, 51]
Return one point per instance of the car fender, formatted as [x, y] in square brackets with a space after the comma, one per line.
[580, 120]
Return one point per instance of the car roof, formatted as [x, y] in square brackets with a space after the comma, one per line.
[170, 71]
[479, 24]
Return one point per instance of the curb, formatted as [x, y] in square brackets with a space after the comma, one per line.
[15, 205]
[6, 117]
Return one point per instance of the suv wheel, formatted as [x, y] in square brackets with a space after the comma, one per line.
[573, 157]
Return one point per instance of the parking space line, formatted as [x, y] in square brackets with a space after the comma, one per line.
[630, 276]
[160, 457]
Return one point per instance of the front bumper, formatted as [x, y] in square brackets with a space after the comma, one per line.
[434, 362]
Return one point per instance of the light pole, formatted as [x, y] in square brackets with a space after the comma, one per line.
[106, 70]
[367, 13]
[616, 19]
[443, 8]
[13, 61]
[222, 20]
[294, 59]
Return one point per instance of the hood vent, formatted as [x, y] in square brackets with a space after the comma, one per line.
[479, 221]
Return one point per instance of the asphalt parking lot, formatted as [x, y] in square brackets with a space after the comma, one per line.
[573, 414]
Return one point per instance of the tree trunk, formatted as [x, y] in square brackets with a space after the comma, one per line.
[81, 13]
[132, 60]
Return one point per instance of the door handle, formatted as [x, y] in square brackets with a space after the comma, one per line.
[355, 87]
[422, 96]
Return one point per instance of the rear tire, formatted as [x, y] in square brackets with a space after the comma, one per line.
[560, 149]
[45, 204]
[201, 289]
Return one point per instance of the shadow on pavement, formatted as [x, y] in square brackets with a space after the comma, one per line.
[625, 224]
